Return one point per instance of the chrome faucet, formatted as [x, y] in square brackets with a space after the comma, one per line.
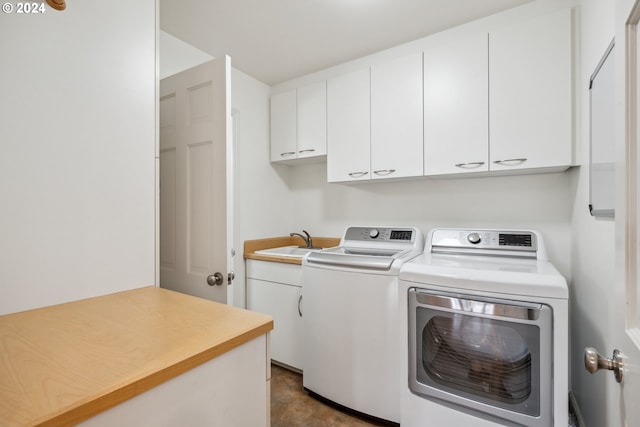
[306, 238]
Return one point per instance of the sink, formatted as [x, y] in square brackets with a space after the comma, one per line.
[287, 251]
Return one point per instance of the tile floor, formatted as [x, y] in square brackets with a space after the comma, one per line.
[291, 405]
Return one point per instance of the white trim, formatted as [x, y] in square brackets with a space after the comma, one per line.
[631, 176]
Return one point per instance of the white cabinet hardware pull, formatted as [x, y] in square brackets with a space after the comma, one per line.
[288, 153]
[309, 150]
[469, 165]
[357, 174]
[300, 302]
[511, 162]
[384, 171]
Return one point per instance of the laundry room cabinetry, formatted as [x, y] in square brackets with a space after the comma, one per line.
[485, 101]
[349, 127]
[374, 118]
[299, 124]
[501, 102]
[276, 289]
[284, 144]
[456, 106]
[530, 93]
[396, 118]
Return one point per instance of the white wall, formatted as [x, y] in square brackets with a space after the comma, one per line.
[77, 170]
[592, 262]
[263, 200]
[176, 56]
[542, 202]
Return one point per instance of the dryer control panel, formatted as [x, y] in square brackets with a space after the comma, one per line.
[521, 243]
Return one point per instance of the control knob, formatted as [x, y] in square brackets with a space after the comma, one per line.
[374, 233]
[474, 238]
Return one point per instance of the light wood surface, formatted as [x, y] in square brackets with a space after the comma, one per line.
[62, 364]
[250, 246]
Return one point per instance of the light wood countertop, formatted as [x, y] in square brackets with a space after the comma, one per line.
[62, 364]
[251, 246]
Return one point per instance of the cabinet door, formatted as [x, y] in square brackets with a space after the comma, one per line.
[456, 107]
[348, 127]
[530, 93]
[396, 118]
[283, 126]
[312, 120]
[284, 304]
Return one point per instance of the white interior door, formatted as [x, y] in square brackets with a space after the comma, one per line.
[624, 399]
[195, 141]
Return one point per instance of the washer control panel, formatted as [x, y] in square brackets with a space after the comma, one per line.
[474, 238]
[380, 234]
[485, 241]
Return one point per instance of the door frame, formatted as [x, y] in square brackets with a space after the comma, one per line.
[632, 110]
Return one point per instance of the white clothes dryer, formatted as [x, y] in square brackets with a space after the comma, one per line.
[485, 332]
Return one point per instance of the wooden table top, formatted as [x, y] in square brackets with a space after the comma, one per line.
[62, 364]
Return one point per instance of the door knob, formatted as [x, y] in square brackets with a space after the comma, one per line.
[593, 362]
[215, 279]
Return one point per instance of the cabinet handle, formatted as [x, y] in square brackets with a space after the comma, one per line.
[469, 165]
[511, 162]
[384, 172]
[288, 153]
[300, 302]
[308, 150]
[357, 174]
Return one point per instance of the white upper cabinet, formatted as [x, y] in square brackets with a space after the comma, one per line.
[396, 118]
[482, 102]
[349, 127]
[374, 122]
[312, 120]
[456, 107]
[283, 126]
[299, 124]
[530, 90]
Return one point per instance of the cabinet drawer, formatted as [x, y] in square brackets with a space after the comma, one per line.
[290, 274]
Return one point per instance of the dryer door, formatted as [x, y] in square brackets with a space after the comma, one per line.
[488, 356]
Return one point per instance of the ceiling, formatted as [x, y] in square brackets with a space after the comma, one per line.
[277, 40]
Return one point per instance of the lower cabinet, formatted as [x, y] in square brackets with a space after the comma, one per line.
[232, 389]
[276, 289]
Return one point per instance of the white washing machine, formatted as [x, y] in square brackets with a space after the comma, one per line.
[485, 332]
[351, 344]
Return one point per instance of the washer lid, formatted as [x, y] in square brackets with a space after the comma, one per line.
[501, 275]
[364, 258]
